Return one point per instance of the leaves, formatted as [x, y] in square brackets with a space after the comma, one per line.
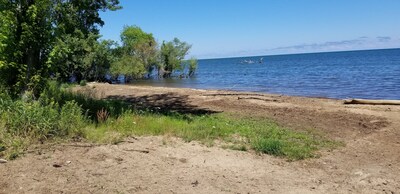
[39, 38]
[172, 55]
[138, 53]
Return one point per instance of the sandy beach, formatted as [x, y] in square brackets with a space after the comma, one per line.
[369, 161]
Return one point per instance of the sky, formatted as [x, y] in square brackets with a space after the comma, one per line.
[232, 28]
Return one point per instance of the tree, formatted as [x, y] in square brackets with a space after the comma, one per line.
[77, 52]
[171, 55]
[130, 67]
[26, 37]
[99, 60]
[31, 28]
[81, 58]
[192, 63]
[138, 53]
[83, 15]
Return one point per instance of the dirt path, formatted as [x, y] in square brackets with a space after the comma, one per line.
[369, 163]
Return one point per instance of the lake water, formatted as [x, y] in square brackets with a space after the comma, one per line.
[372, 74]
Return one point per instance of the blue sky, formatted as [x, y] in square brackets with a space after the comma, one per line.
[226, 28]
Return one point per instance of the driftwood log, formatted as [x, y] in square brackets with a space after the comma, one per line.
[255, 98]
[372, 102]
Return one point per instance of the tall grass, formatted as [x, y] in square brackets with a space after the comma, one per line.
[59, 93]
[62, 114]
[23, 121]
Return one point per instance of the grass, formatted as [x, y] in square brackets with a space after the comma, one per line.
[61, 114]
[260, 135]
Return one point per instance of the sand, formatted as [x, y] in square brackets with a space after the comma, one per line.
[368, 163]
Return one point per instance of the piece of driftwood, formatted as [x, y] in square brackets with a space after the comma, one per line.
[136, 150]
[255, 98]
[82, 145]
[372, 102]
[233, 94]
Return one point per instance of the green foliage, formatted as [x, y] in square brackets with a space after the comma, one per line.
[172, 54]
[60, 113]
[132, 36]
[90, 106]
[239, 134]
[60, 39]
[25, 36]
[269, 146]
[12, 146]
[7, 42]
[129, 66]
[82, 15]
[138, 53]
[80, 56]
[83, 83]
[31, 119]
[67, 58]
[38, 38]
[23, 122]
[71, 119]
[99, 60]
[192, 63]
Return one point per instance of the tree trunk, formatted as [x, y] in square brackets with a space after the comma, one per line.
[372, 102]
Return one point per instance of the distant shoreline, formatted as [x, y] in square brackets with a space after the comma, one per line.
[306, 53]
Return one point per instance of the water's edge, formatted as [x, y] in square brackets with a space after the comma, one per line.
[372, 74]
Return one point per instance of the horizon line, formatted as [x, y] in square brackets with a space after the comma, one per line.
[338, 51]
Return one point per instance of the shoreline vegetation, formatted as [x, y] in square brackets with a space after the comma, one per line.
[351, 140]
[60, 114]
[44, 44]
[45, 40]
[51, 58]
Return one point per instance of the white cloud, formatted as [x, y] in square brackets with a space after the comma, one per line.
[361, 43]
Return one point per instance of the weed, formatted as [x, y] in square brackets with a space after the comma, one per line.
[83, 83]
[102, 115]
[268, 146]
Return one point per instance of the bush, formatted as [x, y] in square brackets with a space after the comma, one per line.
[83, 83]
[32, 119]
[71, 119]
[56, 93]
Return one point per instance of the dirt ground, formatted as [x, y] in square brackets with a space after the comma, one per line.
[368, 163]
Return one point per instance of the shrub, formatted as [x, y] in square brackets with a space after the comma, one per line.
[71, 119]
[56, 93]
[83, 83]
[42, 121]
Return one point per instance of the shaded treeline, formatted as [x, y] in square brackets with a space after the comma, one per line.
[60, 40]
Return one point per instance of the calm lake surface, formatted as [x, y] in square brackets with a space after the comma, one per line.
[372, 74]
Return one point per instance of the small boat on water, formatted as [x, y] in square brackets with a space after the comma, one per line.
[248, 61]
[261, 60]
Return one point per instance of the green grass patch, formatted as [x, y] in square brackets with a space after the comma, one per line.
[240, 134]
[61, 114]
